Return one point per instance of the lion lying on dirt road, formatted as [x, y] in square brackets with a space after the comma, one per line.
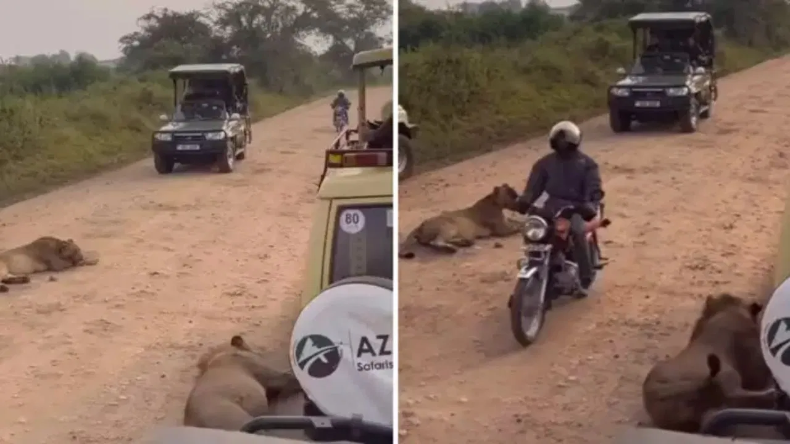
[721, 367]
[460, 228]
[43, 254]
[234, 385]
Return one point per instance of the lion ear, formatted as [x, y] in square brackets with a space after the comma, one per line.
[754, 309]
[238, 342]
[708, 307]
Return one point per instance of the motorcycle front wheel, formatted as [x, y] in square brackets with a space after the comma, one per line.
[527, 310]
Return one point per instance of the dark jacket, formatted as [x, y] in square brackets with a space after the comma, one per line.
[570, 179]
[342, 102]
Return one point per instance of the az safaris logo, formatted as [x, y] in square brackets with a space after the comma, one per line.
[777, 340]
[317, 355]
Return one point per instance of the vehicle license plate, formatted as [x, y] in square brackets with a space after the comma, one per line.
[190, 147]
[648, 104]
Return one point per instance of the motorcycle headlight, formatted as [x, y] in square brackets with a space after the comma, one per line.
[163, 137]
[535, 228]
[216, 135]
[620, 92]
[679, 91]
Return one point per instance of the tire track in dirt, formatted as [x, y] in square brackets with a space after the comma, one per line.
[692, 215]
[107, 352]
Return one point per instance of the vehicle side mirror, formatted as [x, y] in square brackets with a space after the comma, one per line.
[164, 118]
[699, 70]
[235, 116]
[621, 71]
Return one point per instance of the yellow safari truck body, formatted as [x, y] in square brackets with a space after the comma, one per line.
[352, 233]
[782, 264]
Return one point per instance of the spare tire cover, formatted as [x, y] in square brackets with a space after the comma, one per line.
[775, 335]
[342, 349]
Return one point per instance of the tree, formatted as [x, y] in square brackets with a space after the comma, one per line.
[167, 38]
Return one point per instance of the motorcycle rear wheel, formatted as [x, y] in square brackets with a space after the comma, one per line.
[527, 311]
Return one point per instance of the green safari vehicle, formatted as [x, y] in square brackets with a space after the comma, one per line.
[211, 122]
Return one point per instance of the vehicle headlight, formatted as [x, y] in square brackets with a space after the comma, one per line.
[216, 135]
[620, 92]
[679, 91]
[535, 228]
[163, 137]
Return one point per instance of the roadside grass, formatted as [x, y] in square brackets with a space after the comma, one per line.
[469, 101]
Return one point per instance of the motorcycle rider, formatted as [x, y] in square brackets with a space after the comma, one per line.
[568, 177]
[340, 101]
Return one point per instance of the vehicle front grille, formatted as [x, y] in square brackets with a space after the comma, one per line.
[188, 137]
[648, 93]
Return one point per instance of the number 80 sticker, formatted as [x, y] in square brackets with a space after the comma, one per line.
[352, 221]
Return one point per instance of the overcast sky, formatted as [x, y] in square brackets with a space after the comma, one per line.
[30, 27]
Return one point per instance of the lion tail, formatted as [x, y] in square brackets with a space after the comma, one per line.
[406, 248]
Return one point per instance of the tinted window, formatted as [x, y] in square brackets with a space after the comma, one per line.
[362, 242]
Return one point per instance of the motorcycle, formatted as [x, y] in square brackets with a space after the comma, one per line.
[547, 270]
[340, 118]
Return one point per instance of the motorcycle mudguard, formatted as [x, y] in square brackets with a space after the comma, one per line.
[526, 272]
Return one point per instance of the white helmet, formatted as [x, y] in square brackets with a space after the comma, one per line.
[565, 136]
[341, 93]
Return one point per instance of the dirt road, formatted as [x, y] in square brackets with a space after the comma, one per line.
[186, 260]
[692, 215]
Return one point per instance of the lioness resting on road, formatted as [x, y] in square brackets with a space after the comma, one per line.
[721, 367]
[234, 385]
[457, 229]
[43, 254]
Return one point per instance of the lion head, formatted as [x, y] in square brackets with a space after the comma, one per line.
[68, 250]
[736, 309]
[505, 197]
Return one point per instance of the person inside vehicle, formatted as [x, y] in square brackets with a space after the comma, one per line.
[569, 178]
[381, 137]
[657, 42]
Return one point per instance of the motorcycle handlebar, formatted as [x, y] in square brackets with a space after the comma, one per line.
[586, 211]
[356, 429]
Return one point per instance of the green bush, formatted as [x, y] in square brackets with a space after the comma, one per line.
[468, 100]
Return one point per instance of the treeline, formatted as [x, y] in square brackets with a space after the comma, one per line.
[760, 23]
[420, 26]
[62, 117]
[473, 80]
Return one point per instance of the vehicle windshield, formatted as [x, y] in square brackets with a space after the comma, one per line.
[661, 63]
[200, 110]
[362, 242]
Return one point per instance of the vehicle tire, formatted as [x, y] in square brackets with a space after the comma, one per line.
[226, 160]
[242, 154]
[619, 122]
[163, 164]
[405, 158]
[690, 119]
[527, 327]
